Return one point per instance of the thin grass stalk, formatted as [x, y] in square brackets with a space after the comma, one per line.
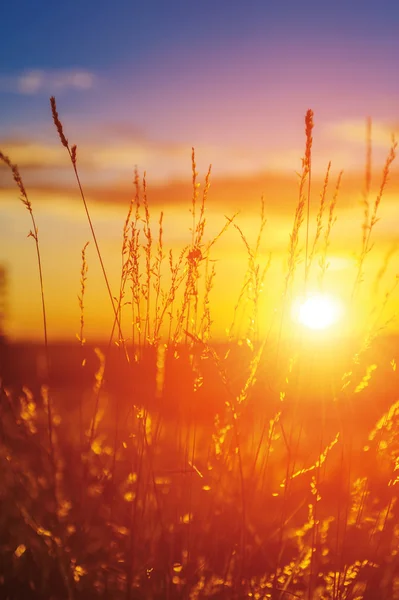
[349, 441]
[373, 330]
[253, 283]
[157, 268]
[315, 505]
[200, 227]
[125, 259]
[35, 235]
[319, 219]
[121, 342]
[198, 246]
[304, 199]
[229, 221]
[146, 289]
[135, 277]
[308, 157]
[149, 453]
[385, 176]
[383, 269]
[366, 486]
[134, 264]
[233, 404]
[264, 465]
[126, 267]
[72, 151]
[133, 518]
[373, 219]
[367, 182]
[83, 279]
[184, 311]
[189, 306]
[276, 420]
[195, 194]
[294, 251]
[97, 387]
[169, 299]
[242, 295]
[80, 336]
[100, 379]
[249, 282]
[191, 474]
[206, 320]
[260, 275]
[193, 254]
[323, 263]
[292, 449]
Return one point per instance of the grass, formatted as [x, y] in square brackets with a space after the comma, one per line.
[261, 466]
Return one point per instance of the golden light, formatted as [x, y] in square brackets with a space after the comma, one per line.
[318, 311]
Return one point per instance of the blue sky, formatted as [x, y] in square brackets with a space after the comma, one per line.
[143, 59]
[104, 35]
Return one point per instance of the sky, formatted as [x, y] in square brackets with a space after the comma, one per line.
[140, 84]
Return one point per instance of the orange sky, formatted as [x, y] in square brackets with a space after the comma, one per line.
[63, 231]
[141, 87]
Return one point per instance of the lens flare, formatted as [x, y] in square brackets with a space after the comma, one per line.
[318, 311]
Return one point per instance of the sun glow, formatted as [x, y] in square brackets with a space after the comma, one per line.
[318, 311]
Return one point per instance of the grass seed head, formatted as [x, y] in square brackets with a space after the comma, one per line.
[58, 124]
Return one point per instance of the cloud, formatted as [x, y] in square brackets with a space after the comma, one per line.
[33, 155]
[44, 81]
[355, 131]
[239, 176]
[113, 159]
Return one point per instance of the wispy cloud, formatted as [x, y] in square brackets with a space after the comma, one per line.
[117, 158]
[32, 155]
[355, 131]
[44, 81]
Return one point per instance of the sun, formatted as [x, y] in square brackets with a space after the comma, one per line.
[318, 311]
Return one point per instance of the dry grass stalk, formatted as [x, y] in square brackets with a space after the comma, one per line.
[304, 199]
[196, 253]
[206, 320]
[157, 270]
[195, 194]
[229, 221]
[125, 257]
[372, 219]
[383, 269]
[308, 159]
[58, 123]
[294, 251]
[177, 277]
[72, 154]
[250, 293]
[319, 220]
[374, 329]
[134, 268]
[83, 279]
[323, 263]
[80, 335]
[34, 233]
[367, 180]
[187, 315]
[146, 287]
[98, 382]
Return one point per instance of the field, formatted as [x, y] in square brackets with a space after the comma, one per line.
[169, 463]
